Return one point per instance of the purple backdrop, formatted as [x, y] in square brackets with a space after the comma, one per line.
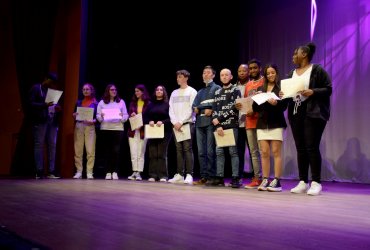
[342, 37]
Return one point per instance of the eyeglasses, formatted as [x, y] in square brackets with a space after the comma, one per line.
[113, 89]
[86, 89]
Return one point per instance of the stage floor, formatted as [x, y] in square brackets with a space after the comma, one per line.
[100, 214]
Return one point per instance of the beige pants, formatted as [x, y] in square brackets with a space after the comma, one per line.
[137, 150]
[84, 135]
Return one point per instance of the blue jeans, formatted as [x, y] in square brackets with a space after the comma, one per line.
[206, 151]
[46, 132]
[233, 151]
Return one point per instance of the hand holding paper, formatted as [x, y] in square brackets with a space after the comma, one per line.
[53, 96]
[290, 87]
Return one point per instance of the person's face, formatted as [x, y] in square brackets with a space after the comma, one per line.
[295, 60]
[113, 91]
[138, 93]
[225, 76]
[243, 72]
[300, 56]
[159, 92]
[208, 75]
[271, 74]
[181, 79]
[86, 90]
[254, 70]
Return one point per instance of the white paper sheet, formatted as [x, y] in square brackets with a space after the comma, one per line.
[246, 104]
[154, 132]
[225, 141]
[136, 121]
[263, 97]
[53, 95]
[291, 86]
[184, 134]
[111, 114]
[85, 114]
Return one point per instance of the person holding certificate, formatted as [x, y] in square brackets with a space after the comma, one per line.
[182, 119]
[44, 117]
[139, 102]
[225, 117]
[270, 125]
[255, 82]
[308, 113]
[156, 114]
[111, 113]
[85, 134]
[203, 104]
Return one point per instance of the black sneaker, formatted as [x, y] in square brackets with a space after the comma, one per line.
[216, 181]
[235, 182]
[274, 186]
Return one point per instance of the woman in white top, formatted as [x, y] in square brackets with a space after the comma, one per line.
[111, 113]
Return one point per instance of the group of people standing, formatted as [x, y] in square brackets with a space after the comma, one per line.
[211, 111]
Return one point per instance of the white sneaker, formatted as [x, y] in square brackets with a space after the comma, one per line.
[115, 176]
[315, 188]
[138, 176]
[108, 176]
[90, 176]
[188, 179]
[301, 188]
[178, 178]
[163, 180]
[78, 175]
[132, 177]
[151, 179]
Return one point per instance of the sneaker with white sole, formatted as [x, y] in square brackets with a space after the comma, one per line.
[188, 179]
[108, 176]
[115, 176]
[275, 186]
[89, 176]
[163, 180]
[264, 184]
[301, 188]
[132, 177]
[151, 179]
[178, 178]
[315, 188]
[138, 176]
[78, 175]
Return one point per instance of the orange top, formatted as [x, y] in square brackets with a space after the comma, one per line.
[250, 90]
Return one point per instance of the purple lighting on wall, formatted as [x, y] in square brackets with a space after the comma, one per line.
[313, 17]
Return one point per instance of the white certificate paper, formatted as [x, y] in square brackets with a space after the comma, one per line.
[53, 96]
[290, 87]
[225, 141]
[85, 114]
[263, 97]
[246, 104]
[184, 134]
[154, 132]
[136, 121]
[111, 114]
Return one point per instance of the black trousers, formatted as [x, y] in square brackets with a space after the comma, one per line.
[111, 141]
[307, 133]
[158, 156]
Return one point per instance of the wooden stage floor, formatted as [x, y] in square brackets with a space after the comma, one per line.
[100, 214]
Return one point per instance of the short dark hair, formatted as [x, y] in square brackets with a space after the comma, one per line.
[52, 76]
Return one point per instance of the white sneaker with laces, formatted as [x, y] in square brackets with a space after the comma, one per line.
[108, 176]
[132, 177]
[138, 176]
[163, 180]
[188, 179]
[301, 188]
[151, 179]
[115, 176]
[315, 188]
[178, 178]
[78, 175]
[90, 176]
[264, 184]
